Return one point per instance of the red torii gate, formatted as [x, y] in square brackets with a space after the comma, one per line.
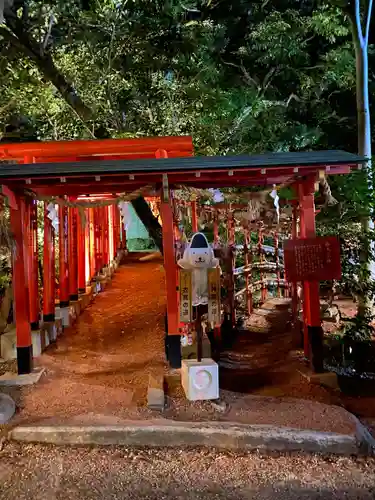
[83, 251]
[104, 168]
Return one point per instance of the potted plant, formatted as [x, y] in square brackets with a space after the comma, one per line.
[354, 361]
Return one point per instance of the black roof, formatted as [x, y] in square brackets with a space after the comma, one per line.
[194, 163]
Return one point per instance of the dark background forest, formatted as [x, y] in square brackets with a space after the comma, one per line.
[240, 77]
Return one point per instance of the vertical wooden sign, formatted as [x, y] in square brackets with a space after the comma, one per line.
[186, 305]
[214, 308]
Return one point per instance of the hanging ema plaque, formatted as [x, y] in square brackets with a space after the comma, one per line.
[312, 259]
[186, 305]
[214, 309]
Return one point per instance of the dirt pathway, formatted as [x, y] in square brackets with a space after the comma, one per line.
[41, 472]
[102, 364]
[98, 371]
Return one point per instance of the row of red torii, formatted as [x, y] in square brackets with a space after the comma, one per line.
[88, 242]
[106, 168]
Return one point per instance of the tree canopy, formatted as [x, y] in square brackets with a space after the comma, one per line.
[240, 77]
[247, 77]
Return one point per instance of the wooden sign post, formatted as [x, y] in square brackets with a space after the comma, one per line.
[185, 288]
[312, 259]
[214, 306]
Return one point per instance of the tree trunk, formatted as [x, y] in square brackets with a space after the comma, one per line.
[360, 42]
[144, 212]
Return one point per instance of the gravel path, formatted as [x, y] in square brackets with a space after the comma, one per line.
[98, 371]
[41, 473]
[102, 363]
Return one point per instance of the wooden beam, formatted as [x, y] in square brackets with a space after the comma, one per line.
[93, 147]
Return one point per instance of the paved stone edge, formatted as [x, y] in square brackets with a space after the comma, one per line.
[365, 440]
[220, 435]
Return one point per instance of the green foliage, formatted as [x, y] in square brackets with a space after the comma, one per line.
[156, 68]
[359, 328]
[5, 273]
[239, 79]
[344, 220]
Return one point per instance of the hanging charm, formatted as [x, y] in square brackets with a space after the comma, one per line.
[165, 190]
[276, 199]
[214, 307]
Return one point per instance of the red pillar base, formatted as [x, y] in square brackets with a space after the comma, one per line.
[315, 335]
[24, 360]
[173, 350]
[48, 318]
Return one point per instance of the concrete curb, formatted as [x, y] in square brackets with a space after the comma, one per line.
[366, 442]
[220, 435]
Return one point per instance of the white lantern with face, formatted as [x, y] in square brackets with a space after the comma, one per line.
[198, 257]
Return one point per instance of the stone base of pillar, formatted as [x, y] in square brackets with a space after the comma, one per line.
[38, 341]
[101, 283]
[49, 331]
[41, 339]
[87, 297]
[65, 314]
[120, 255]
[75, 306]
[59, 326]
[8, 345]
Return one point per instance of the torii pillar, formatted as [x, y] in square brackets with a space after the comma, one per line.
[64, 256]
[294, 289]
[173, 336]
[81, 252]
[32, 255]
[49, 278]
[73, 263]
[20, 286]
[313, 331]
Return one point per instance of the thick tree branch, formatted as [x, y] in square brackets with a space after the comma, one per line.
[48, 33]
[19, 37]
[368, 21]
